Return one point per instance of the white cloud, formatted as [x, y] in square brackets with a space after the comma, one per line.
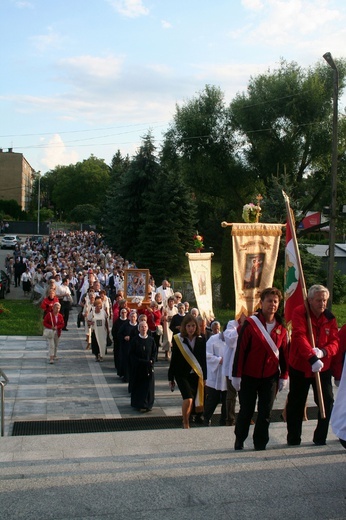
[42, 42]
[129, 8]
[252, 5]
[56, 153]
[163, 70]
[287, 22]
[94, 67]
[232, 76]
[165, 24]
[24, 5]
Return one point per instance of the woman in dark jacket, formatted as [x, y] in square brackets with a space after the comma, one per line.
[188, 367]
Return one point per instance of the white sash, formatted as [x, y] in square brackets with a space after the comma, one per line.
[266, 335]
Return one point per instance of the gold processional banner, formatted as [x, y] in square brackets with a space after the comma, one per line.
[255, 251]
[200, 268]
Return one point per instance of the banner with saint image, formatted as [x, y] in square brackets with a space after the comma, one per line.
[200, 269]
[255, 251]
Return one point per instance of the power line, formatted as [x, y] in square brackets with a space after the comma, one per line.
[161, 123]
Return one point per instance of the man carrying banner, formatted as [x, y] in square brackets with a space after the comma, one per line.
[305, 360]
[259, 368]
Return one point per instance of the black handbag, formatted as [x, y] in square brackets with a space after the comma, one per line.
[109, 340]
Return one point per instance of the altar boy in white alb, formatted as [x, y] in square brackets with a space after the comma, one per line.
[216, 385]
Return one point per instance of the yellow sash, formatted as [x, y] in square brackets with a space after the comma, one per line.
[196, 367]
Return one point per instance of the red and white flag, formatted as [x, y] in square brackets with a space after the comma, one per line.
[293, 287]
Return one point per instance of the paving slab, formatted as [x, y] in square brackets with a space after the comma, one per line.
[151, 474]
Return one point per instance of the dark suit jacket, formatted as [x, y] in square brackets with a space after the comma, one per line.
[180, 367]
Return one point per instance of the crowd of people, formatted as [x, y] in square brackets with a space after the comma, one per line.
[251, 359]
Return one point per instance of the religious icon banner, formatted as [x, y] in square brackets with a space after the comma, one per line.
[200, 269]
[255, 251]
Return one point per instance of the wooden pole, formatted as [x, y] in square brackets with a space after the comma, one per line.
[305, 298]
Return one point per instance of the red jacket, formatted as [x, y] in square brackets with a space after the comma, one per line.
[153, 318]
[325, 331]
[254, 357]
[47, 304]
[49, 320]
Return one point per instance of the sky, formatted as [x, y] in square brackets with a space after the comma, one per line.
[83, 77]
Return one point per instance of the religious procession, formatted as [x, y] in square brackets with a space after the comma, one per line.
[242, 363]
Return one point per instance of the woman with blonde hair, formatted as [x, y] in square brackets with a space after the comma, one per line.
[188, 367]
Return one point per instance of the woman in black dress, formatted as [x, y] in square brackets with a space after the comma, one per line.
[142, 380]
[127, 331]
[188, 367]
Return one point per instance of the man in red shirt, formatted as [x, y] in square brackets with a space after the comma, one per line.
[259, 368]
[305, 360]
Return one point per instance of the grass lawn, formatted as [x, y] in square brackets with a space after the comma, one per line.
[339, 312]
[20, 318]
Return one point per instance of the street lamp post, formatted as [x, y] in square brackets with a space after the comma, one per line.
[334, 171]
[37, 176]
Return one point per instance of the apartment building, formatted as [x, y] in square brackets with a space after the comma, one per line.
[16, 177]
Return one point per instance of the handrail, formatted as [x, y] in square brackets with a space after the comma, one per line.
[2, 385]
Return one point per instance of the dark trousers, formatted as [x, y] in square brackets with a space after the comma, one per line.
[299, 389]
[212, 399]
[231, 400]
[95, 349]
[17, 279]
[65, 311]
[251, 388]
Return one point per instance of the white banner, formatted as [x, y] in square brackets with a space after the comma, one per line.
[200, 269]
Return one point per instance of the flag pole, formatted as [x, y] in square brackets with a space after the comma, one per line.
[305, 298]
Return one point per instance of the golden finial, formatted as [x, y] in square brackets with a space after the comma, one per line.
[259, 198]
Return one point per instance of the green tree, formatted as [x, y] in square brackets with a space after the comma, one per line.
[283, 121]
[109, 217]
[168, 228]
[86, 213]
[11, 208]
[129, 199]
[46, 215]
[84, 182]
[200, 144]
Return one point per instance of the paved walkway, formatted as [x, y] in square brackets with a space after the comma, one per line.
[158, 474]
[75, 387]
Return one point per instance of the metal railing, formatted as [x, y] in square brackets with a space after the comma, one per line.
[3, 383]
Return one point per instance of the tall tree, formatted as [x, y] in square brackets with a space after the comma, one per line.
[167, 231]
[283, 121]
[200, 144]
[136, 185]
[118, 169]
[82, 183]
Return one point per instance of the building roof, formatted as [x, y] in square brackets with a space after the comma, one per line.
[322, 250]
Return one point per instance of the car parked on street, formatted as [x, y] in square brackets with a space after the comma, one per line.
[10, 241]
[4, 284]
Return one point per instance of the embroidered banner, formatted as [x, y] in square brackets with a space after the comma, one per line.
[200, 269]
[255, 251]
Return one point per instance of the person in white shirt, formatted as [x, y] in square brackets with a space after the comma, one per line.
[165, 290]
[216, 385]
[231, 337]
[65, 298]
